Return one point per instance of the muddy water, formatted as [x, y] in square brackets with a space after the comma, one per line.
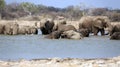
[36, 46]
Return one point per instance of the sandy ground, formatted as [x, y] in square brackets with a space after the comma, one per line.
[68, 62]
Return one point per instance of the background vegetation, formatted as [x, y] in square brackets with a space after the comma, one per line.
[17, 10]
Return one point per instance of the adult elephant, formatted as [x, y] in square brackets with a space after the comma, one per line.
[11, 28]
[94, 24]
[46, 27]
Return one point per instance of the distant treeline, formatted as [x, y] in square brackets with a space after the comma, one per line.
[17, 10]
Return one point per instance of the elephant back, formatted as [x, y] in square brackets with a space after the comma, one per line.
[66, 27]
[117, 28]
[86, 23]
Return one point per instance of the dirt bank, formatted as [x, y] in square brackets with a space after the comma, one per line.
[68, 62]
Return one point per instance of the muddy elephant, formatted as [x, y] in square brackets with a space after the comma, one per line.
[27, 30]
[84, 32]
[94, 24]
[115, 36]
[54, 35]
[11, 28]
[114, 28]
[71, 34]
[47, 27]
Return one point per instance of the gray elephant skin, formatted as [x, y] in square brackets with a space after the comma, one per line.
[94, 24]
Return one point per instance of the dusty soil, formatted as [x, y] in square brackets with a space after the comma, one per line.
[68, 62]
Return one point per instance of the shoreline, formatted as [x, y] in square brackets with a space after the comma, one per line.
[66, 62]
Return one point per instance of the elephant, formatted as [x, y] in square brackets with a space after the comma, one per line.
[114, 28]
[27, 30]
[54, 35]
[94, 24]
[84, 32]
[71, 34]
[47, 27]
[11, 28]
[115, 36]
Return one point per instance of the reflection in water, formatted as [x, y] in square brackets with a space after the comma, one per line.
[36, 46]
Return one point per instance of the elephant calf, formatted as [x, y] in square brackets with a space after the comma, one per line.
[115, 36]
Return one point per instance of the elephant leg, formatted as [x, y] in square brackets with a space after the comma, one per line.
[102, 31]
[36, 32]
[95, 31]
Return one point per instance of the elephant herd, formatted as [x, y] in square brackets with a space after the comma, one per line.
[13, 28]
[65, 29]
[86, 26]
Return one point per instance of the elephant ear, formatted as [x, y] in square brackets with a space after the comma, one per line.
[42, 24]
[98, 23]
[55, 27]
[107, 24]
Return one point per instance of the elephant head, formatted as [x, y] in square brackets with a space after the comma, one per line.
[99, 24]
[47, 27]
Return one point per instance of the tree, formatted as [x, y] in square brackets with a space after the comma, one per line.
[98, 11]
[2, 4]
[29, 7]
[73, 12]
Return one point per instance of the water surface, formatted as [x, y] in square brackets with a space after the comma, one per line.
[36, 46]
